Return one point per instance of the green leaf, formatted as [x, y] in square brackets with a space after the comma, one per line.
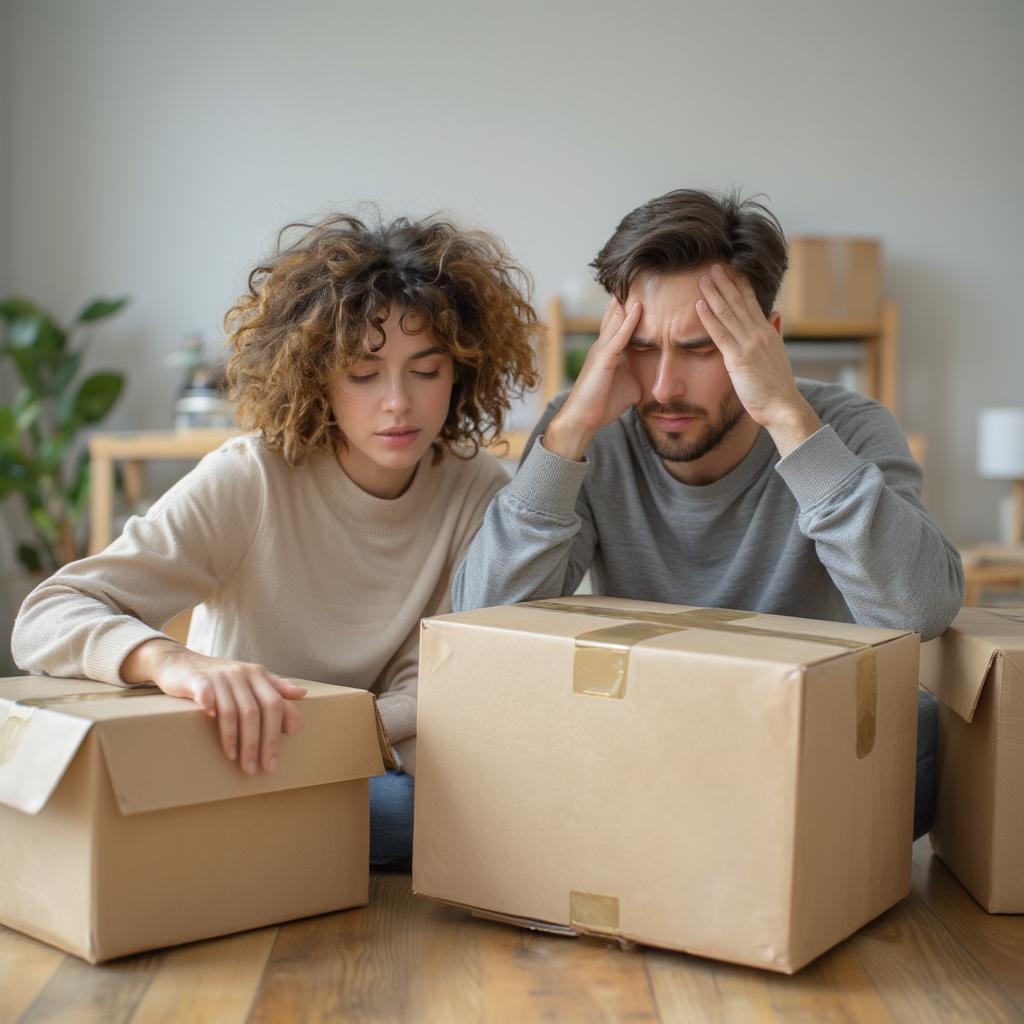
[64, 371]
[96, 396]
[28, 555]
[25, 362]
[45, 523]
[77, 494]
[8, 425]
[36, 331]
[14, 307]
[100, 308]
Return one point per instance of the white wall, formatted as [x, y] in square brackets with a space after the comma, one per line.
[154, 149]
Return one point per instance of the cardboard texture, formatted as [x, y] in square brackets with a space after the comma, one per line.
[976, 669]
[123, 827]
[832, 279]
[729, 784]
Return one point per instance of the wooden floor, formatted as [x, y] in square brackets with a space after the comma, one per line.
[936, 957]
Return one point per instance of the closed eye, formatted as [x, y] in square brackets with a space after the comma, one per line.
[427, 374]
[364, 379]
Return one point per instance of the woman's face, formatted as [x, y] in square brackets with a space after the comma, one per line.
[391, 406]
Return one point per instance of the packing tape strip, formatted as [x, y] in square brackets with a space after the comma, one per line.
[601, 656]
[591, 912]
[13, 729]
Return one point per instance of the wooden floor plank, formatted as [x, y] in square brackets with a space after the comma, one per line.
[924, 973]
[94, 993]
[213, 982]
[996, 941]
[832, 988]
[25, 967]
[400, 959]
[528, 976]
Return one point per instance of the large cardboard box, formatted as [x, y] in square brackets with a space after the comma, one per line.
[832, 279]
[976, 669]
[730, 784]
[124, 827]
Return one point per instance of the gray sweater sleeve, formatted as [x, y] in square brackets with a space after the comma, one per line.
[860, 503]
[537, 539]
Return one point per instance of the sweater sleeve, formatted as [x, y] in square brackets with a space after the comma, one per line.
[397, 699]
[538, 537]
[860, 503]
[90, 615]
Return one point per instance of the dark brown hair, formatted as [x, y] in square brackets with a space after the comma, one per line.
[687, 229]
[318, 304]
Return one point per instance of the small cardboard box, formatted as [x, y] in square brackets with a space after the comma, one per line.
[726, 783]
[976, 669]
[832, 279]
[123, 826]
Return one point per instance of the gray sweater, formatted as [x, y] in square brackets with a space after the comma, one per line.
[834, 531]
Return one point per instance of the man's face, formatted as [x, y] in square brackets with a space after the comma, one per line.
[688, 406]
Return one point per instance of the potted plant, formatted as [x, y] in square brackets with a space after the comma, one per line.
[39, 457]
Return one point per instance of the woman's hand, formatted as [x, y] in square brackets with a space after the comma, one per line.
[250, 703]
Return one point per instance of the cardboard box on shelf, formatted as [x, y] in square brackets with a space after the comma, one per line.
[730, 784]
[123, 826]
[976, 669]
[832, 279]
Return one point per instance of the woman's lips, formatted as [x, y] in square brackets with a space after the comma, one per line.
[399, 438]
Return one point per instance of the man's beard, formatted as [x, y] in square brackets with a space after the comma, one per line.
[676, 447]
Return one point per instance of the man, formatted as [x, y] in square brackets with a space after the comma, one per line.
[688, 465]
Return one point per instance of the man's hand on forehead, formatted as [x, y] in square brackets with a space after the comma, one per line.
[755, 357]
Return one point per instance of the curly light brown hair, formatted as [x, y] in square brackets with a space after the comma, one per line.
[318, 306]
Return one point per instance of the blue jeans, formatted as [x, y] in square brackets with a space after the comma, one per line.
[927, 744]
[391, 821]
[391, 797]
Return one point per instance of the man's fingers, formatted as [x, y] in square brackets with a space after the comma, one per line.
[620, 329]
[271, 713]
[248, 723]
[725, 302]
[723, 340]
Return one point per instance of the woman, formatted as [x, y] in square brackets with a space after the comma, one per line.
[371, 362]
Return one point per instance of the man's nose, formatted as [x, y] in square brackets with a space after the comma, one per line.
[669, 381]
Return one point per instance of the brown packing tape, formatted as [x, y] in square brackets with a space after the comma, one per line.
[601, 660]
[601, 657]
[591, 912]
[12, 731]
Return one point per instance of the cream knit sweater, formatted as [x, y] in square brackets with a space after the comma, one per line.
[294, 568]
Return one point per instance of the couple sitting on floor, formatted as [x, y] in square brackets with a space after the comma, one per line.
[373, 362]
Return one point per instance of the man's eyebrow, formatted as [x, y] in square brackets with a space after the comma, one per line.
[692, 343]
[434, 350]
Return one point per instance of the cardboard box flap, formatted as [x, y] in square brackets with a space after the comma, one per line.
[36, 748]
[776, 638]
[163, 751]
[171, 756]
[956, 665]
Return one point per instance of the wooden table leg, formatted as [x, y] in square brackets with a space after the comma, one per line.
[101, 501]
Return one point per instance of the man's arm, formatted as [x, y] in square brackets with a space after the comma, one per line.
[860, 503]
[537, 539]
[859, 497]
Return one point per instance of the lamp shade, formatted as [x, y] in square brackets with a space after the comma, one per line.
[1001, 444]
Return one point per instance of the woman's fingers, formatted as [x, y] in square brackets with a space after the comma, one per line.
[227, 717]
[248, 723]
[271, 714]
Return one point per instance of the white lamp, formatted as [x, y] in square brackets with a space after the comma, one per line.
[1001, 457]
